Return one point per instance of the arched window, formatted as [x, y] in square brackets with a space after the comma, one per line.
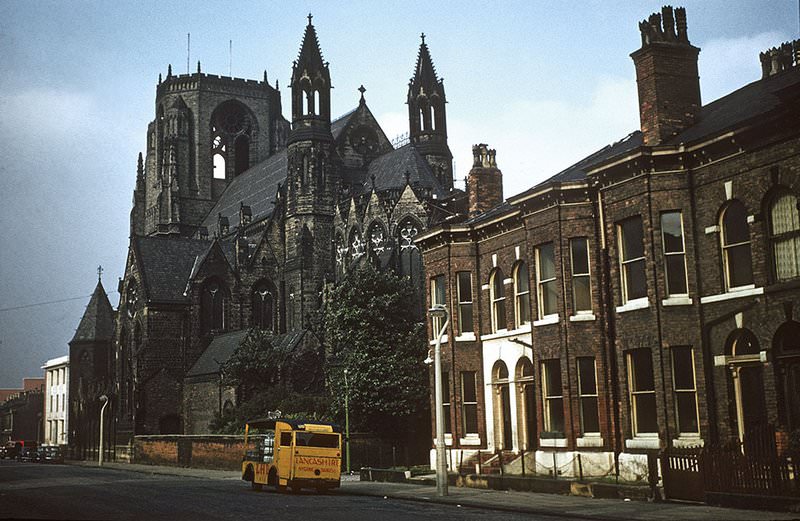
[410, 260]
[522, 295]
[498, 297]
[356, 245]
[736, 256]
[232, 129]
[263, 306]
[376, 238]
[784, 233]
[213, 304]
[341, 254]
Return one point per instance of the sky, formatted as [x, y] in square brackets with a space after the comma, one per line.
[544, 83]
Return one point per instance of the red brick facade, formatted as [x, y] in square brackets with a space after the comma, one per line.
[693, 285]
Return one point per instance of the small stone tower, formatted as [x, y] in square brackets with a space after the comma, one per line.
[311, 183]
[666, 76]
[427, 117]
[485, 180]
[208, 129]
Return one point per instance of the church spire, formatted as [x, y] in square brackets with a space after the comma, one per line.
[427, 117]
[311, 88]
[425, 72]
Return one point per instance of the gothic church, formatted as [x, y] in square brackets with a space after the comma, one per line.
[240, 218]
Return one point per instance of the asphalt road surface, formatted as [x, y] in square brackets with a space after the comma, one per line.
[41, 491]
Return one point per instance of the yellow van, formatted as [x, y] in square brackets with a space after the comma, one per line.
[283, 452]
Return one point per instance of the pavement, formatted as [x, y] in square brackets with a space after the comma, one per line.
[502, 500]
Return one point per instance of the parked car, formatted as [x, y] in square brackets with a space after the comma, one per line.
[51, 454]
[2, 452]
[11, 451]
[29, 454]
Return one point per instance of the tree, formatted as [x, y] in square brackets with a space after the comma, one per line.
[372, 329]
[268, 376]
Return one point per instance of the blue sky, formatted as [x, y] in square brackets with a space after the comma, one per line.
[545, 83]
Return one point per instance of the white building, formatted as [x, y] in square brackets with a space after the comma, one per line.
[56, 400]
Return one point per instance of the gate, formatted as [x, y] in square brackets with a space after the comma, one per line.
[682, 469]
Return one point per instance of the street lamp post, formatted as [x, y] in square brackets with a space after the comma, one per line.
[104, 401]
[347, 420]
[439, 311]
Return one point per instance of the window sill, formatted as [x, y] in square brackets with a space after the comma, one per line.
[552, 442]
[583, 317]
[676, 301]
[639, 303]
[546, 320]
[745, 291]
[503, 333]
[688, 440]
[433, 342]
[589, 440]
[465, 337]
[643, 441]
[470, 440]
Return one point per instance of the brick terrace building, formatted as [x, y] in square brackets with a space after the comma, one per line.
[642, 298]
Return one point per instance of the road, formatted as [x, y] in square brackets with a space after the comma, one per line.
[39, 491]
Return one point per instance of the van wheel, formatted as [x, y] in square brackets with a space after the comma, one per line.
[256, 486]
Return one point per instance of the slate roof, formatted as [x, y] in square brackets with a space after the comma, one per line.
[255, 187]
[219, 350]
[223, 346]
[339, 124]
[97, 323]
[751, 101]
[389, 171]
[166, 264]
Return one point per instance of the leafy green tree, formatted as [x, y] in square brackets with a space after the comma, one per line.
[269, 377]
[372, 329]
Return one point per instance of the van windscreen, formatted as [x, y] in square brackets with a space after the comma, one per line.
[315, 439]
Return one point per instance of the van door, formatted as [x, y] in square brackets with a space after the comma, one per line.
[284, 455]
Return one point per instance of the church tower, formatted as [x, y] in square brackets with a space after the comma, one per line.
[427, 117]
[207, 130]
[311, 183]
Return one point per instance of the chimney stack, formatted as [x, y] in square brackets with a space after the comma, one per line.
[485, 181]
[666, 76]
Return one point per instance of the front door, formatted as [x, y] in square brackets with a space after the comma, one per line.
[750, 405]
[505, 403]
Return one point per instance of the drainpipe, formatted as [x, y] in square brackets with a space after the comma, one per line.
[657, 304]
[609, 317]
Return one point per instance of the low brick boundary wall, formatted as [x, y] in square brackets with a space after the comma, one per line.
[220, 452]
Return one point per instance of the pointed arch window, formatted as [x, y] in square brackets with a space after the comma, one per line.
[522, 295]
[737, 257]
[376, 239]
[410, 260]
[784, 228]
[263, 306]
[341, 254]
[497, 295]
[232, 131]
[356, 245]
[214, 299]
